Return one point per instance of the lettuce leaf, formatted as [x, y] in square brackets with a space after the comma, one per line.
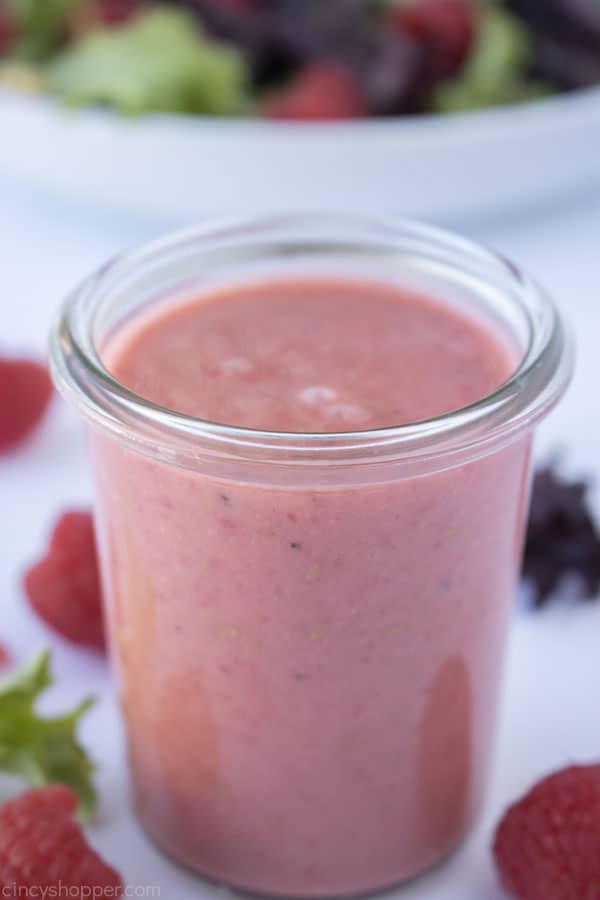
[160, 62]
[41, 25]
[496, 71]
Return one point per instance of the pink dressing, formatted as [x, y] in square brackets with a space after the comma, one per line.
[309, 675]
[312, 355]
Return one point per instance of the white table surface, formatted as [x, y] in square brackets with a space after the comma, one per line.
[549, 714]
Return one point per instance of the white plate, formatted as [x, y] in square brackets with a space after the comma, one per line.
[440, 167]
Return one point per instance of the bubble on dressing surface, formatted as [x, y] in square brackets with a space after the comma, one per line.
[348, 413]
[236, 365]
[317, 394]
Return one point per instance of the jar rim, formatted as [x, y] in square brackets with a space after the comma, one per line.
[451, 437]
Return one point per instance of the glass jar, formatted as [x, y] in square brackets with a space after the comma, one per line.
[320, 723]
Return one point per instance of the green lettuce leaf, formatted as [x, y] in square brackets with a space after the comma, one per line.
[43, 750]
[496, 72]
[160, 62]
[41, 25]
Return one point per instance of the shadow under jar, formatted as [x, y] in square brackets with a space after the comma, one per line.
[308, 623]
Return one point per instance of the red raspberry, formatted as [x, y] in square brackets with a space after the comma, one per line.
[4, 655]
[115, 12]
[25, 391]
[547, 846]
[64, 587]
[320, 91]
[7, 30]
[86, 16]
[42, 847]
[446, 28]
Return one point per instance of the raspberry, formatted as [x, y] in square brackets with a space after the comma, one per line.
[115, 12]
[89, 15]
[547, 846]
[64, 587]
[25, 391]
[320, 91]
[446, 28]
[7, 31]
[42, 847]
[4, 655]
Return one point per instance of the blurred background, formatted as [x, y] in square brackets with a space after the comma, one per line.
[121, 119]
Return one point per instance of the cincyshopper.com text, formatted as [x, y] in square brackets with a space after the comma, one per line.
[62, 891]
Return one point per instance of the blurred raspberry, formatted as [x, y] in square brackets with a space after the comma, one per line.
[547, 846]
[319, 92]
[446, 29]
[42, 848]
[4, 655]
[64, 587]
[94, 13]
[115, 12]
[25, 392]
[7, 30]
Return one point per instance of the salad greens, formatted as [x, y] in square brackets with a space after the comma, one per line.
[496, 72]
[39, 749]
[158, 62]
[235, 57]
[39, 25]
